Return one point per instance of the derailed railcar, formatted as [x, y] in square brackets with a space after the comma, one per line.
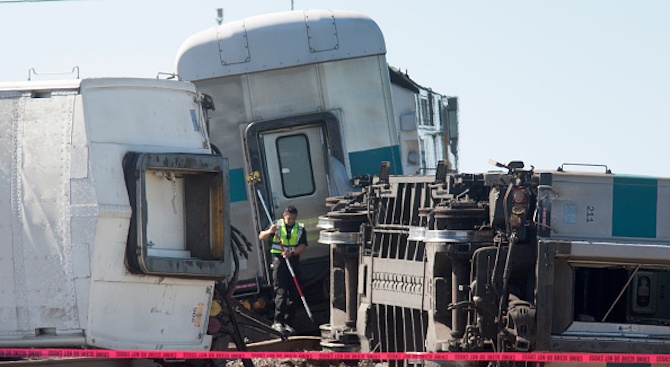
[304, 102]
[521, 260]
[114, 215]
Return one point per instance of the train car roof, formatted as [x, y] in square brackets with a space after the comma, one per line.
[40, 85]
[75, 84]
[278, 40]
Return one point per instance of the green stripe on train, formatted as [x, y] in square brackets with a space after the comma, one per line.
[368, 161]
[634, 206]
[238, 185]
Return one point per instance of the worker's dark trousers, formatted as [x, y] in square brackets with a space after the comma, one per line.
[287, 297]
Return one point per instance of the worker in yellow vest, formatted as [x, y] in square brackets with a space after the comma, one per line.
[288, 242]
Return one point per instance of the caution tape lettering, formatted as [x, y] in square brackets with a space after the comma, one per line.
[47, 353]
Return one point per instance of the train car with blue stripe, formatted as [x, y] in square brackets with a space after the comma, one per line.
[303, 102]
[604, 239]
[569, 260]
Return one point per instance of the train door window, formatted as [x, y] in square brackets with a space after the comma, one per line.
[295, 165]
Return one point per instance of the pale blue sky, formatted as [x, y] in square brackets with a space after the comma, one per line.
[541, 81]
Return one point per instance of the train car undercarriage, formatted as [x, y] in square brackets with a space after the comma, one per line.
[503, 261]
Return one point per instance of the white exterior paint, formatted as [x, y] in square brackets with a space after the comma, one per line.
[285, 75]
[288, 65]
[278, 41]
[422, 121]
[65, 213]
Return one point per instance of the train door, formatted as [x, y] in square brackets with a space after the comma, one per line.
[291, 156]
[296, 169]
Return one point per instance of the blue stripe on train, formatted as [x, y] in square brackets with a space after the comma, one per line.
[366, 162]
[238, 185]
[634, 206]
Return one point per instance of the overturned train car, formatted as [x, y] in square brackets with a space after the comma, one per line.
[305, 100]
[507, 261]
[114, 213]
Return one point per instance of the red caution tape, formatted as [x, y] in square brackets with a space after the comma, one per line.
[444, 356]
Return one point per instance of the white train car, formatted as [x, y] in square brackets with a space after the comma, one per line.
[303, 102]
[427, 124]
[103, 245]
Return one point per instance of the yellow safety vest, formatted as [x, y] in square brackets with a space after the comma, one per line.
[280, 239]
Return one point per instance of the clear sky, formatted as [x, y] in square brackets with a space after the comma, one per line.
[542, 81]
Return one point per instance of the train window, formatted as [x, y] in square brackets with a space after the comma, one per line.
[597, 303]
[425, 115]
[295, 165]
[180, 223]
[622, 295]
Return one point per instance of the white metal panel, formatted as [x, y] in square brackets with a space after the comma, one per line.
[322, 32]
[233, 43]
[64, 207]
[233, 109]
[620, 252]
[79, 148]
[575, 198]
[42, 203]
[124, 111]
[160, 316]
[83, 211]
[9, 293]
[285, 92]
[278, 40]
[154, 312]
[361, 89]
[588, 205]
[42, 85]
[165, 207]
